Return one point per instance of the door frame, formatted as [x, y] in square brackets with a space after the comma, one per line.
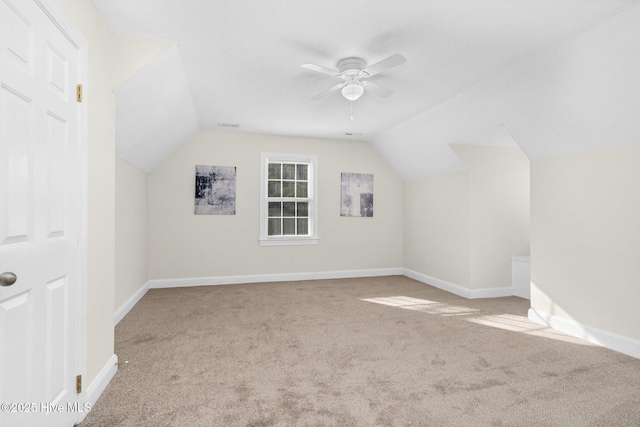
[59, 18]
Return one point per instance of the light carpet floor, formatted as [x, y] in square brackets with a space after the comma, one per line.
[383, 351]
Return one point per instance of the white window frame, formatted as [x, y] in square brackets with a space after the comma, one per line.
[312, 239]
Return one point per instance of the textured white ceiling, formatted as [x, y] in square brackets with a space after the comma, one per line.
[496, 72]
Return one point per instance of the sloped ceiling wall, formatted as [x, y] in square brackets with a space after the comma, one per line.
[581, 94]
[155, 113]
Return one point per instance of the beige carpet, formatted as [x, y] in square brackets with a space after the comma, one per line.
[313, 353]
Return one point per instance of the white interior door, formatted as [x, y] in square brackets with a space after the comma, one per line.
[39, 196]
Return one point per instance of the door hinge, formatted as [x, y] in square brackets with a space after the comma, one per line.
[79, 384]
[79, 93]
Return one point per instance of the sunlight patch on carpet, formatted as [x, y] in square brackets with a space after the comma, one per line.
[522, 324]
[509, 322]
[426, 306]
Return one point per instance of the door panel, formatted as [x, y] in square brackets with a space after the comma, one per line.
[57, 326]
[17, 37]
[39, 196]
[56, 189]
[14, 320]
[16, 135]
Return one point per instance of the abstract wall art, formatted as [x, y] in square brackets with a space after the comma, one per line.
[215, 190]
[356, 198]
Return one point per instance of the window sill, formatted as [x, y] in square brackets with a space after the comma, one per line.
[287, 241]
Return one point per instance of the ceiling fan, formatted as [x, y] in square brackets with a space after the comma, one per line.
[353, 72]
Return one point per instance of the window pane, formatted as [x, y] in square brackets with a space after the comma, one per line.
[301, 172]
[288, 203]
[288, 226]
[289, 171]
[274, 189]
[303, 226]
[275, 209]
[288, 189]
[301, 189]
[274, 170]
[274, 227]
[303, 209]
[289, 209]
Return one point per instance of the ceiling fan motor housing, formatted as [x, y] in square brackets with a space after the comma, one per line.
[351, 65]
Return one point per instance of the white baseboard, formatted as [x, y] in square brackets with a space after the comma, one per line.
[492, 292]
[265, 278]
[457, 289]
[128, 304]
[606, 339]
[99, 384]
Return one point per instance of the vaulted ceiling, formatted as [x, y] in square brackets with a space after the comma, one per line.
[549, 76]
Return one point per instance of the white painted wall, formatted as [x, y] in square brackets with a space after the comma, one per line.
[585, 234]
[463, 228]
[184, 245]
[132, 234]
[436, 233]
[499, 221]
[108, 64]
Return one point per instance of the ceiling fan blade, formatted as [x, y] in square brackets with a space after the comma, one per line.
[327, 92]
[377, 89]
[385, 64]
[321, 69]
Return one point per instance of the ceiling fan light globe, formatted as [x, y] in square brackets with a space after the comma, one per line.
[352, 91]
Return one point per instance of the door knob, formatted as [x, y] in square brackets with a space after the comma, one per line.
[7, 279]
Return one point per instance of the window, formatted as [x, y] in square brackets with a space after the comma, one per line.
[289, 202]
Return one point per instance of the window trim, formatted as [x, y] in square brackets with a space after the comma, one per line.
[312, 239]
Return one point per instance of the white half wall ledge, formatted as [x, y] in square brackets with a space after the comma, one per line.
[607, 339]
[457, 289]
[270, 278]
[98, 385]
